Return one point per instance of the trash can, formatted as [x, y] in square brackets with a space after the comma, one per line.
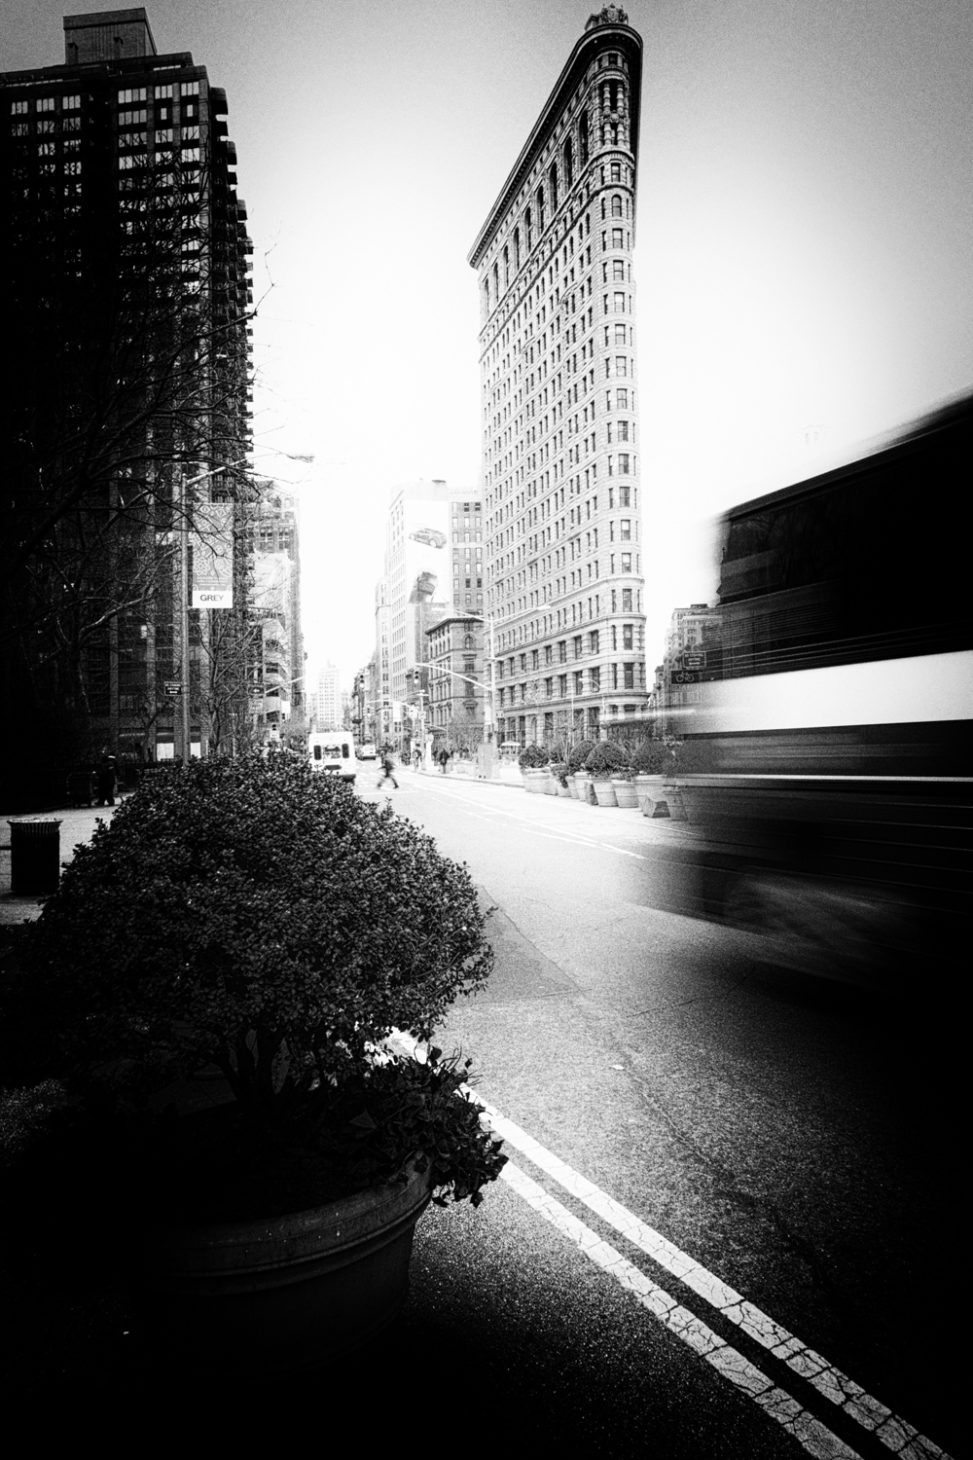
[35, 857]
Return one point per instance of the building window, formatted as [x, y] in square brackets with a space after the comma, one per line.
[628, 631]
[628, 676]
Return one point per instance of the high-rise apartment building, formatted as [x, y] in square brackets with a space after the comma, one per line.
[124, 255]
[562, 509]
[327, 703]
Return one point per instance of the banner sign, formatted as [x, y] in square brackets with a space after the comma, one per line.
[212, 547]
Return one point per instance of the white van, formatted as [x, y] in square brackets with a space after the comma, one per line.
[333, 751]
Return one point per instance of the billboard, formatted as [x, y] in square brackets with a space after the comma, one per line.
[211, 541]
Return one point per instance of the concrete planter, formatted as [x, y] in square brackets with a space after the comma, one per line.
[604, 792]
[624, 788]
[277, 1293]
[583, 788]
[652, 794]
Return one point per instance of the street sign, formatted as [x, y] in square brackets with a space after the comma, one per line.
[694, 661]
[173, 687]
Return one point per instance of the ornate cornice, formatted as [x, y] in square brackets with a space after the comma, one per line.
[602, 32]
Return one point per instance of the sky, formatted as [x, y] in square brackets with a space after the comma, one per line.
[803, 248]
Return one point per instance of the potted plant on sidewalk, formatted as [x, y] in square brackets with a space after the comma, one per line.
[578, 777]
[653, 765]
[602, 763]
[215, 982]
[559, 775]
[533, 761]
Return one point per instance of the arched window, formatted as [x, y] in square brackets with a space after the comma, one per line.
[617, 206]
[568, 158]
[506, 267]
[540, 209]
[583, 138]
[552, 179]
[530, 229]
[516, 248]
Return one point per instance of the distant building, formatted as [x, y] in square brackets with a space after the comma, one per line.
[326, 699]
[561, 462]
[694, 654]
[278, 700]
[455, 704]
[433, 566]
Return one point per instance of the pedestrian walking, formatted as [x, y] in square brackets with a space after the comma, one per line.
[443, 758]
[417, 757]
[106, 781]
[387, 772]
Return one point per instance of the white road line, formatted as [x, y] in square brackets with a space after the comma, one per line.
[903, 1439]
[815, 1437]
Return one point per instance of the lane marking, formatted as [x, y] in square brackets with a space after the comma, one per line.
[815, 1437]
[903, 1439]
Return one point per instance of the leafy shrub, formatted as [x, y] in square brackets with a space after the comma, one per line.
[532, 757]
[559, 769]
[256, 917]
[604, 759]
[579, 754]
[652, 758]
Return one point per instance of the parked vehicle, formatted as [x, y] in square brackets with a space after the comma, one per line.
[367, 751]
[333, 751]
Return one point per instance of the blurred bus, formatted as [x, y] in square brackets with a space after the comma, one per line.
[827, 760]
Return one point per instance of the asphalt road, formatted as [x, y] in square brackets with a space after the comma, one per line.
[730, 1225]
[794, 1139]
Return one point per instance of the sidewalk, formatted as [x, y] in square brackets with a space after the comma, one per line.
[507, 774]
[77, 824]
